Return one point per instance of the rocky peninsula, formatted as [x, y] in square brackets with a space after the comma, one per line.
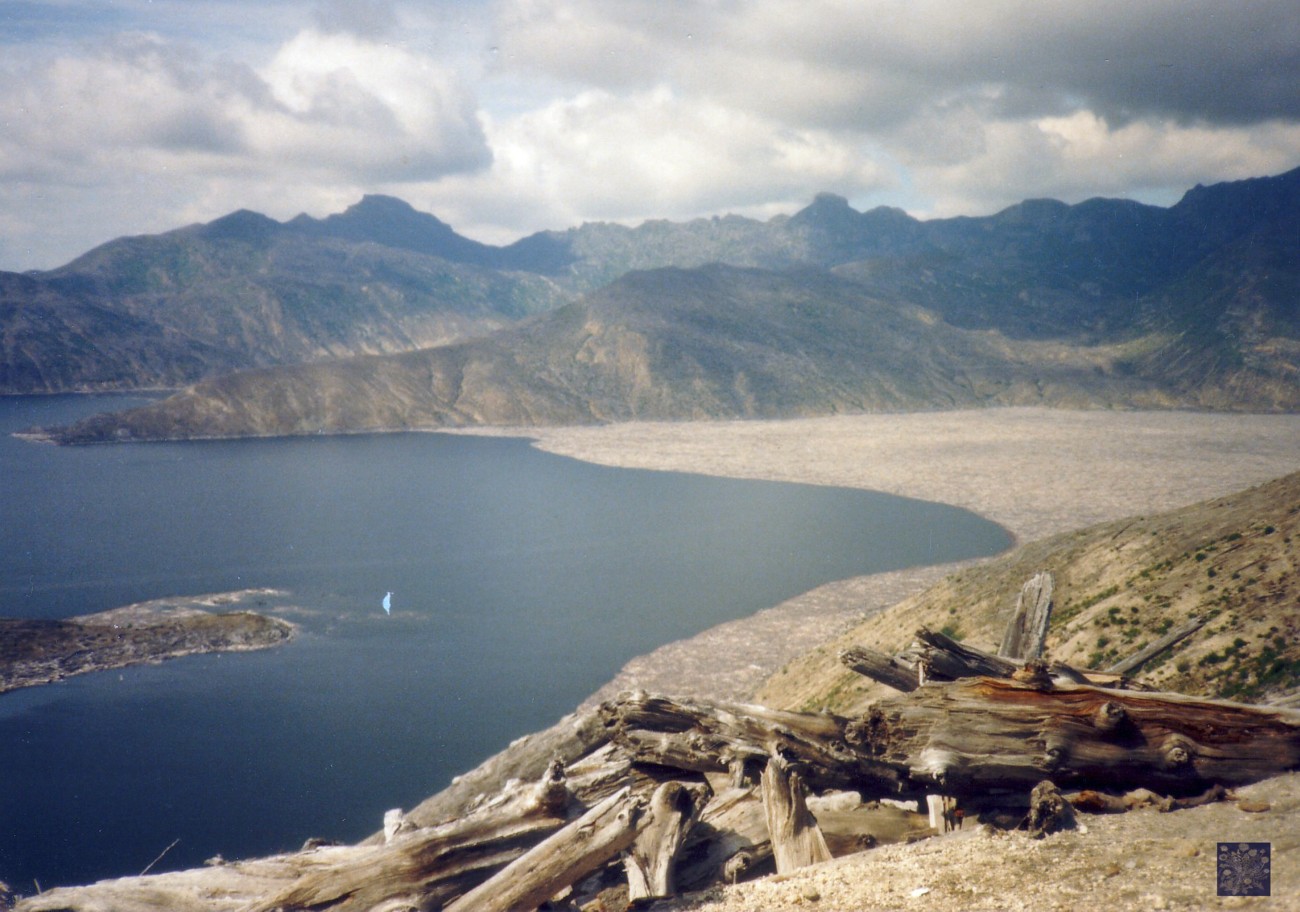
[39, 651]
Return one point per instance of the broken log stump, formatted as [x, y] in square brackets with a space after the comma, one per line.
[673, 809]
[729, 840]
[1027, 630]
[1049, 812]
[797, 840]
[944, 659]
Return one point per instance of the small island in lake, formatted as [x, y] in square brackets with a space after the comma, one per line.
[38, 651]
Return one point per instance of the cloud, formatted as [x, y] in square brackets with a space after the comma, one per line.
[602, 156]
[380, 112]
[973, 104]
[325, 116]
[328, 103]
[868, 63]
[1080, 155]
[369, 19]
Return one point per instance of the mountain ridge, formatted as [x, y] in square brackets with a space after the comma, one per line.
[1101, 303]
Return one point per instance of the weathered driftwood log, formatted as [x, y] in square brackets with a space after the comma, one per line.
[972, 736]
[436, 863]
[731, 831]
[1093, 802]
[1027, 629]
[797, 840]
[710, 737]
[526, 760]
[561, 860]
[673, 810]
[1142, 656]
[852, 830]
[733, 826]
[944, 659]
[878, 666]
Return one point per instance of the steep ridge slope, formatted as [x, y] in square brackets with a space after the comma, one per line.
[1233, 561]
[242, 292]
[710, 342]
[1108, 302]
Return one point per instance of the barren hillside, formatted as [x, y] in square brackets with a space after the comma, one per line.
[1119, 586]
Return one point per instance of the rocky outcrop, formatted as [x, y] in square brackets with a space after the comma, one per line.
[42, 651]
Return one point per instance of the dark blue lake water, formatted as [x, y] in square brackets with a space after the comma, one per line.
[521, 582]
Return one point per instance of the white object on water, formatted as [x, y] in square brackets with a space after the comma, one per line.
[388, 603]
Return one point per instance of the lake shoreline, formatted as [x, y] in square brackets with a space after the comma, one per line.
[1035, 471]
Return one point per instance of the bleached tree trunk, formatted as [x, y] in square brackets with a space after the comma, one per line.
[797, 840]
[561, 860]
[1027, 629]
[673, 809]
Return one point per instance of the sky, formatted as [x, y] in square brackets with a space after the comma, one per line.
[505, 117]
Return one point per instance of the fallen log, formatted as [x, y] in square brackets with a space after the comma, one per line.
[436, 863]
[878, 666]
[561, 860]
[1142, 656]
[978, 735]
[1092, 802]
[944, 659]
[975, 735]
[710, 737]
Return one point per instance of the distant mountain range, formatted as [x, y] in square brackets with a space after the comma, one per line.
[384, 317]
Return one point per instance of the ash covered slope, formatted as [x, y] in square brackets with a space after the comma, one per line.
[1234, 561]
[710, 342]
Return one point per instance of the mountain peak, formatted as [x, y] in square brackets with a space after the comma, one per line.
[377, 204]
[393, 222]
[827, 211]
[241, 225]
[830, 201]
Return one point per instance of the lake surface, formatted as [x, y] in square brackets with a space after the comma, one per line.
[521, 582]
